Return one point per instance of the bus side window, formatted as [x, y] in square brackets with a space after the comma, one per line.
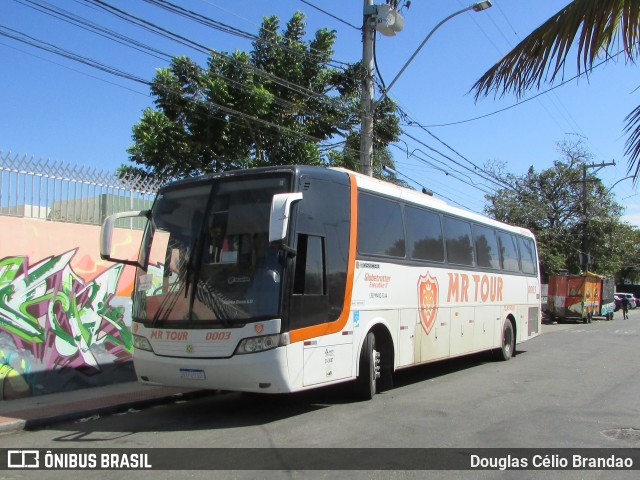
[486, 242]
[508, 252]
[380, 228]
[310, 271]
[424, 235]
[527, 257]
[457, 234]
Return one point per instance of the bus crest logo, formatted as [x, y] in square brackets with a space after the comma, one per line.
[427, 301]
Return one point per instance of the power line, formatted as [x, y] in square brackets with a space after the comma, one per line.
[149, 26]
[452, 160]
[448, 172]
[36, 43]
[225, 28]
[331, 15]
[74, 70]
[436, 192]
[517, 104]
[491, 177]
[85, 24]
[127, 41]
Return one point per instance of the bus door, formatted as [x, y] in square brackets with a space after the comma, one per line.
[318, 281]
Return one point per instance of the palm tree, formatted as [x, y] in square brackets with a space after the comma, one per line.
[599, 27]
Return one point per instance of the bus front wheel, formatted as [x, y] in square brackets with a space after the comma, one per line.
[369, 372]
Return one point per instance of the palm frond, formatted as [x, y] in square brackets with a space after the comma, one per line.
[594, 26]
[633, 142]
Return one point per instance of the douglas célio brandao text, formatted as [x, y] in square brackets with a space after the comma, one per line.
[601, 461]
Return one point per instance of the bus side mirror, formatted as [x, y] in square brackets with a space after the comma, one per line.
[106, 235]
[279, 219]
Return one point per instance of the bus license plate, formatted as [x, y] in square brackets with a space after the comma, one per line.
[192, 374]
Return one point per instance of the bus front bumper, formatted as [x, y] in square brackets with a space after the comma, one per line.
[264, 372]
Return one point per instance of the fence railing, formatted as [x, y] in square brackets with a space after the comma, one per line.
[62, 192]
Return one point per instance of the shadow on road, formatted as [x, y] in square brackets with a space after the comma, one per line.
[224, 410]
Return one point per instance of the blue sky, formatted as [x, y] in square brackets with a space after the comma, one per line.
[56, 108]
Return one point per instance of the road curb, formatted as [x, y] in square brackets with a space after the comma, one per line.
[32, 419]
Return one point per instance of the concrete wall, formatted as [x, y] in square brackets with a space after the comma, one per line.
[64, 313]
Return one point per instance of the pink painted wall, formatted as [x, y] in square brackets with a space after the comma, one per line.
[39, 239]
[64, 312]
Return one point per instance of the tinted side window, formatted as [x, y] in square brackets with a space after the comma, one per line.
[424, 235]
[527, 255]
[309, 278]
[508, 252]
[380, 230]
[486, 244]
[457, 234]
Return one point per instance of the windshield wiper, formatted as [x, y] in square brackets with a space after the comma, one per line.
[170, 299]
[217, 303]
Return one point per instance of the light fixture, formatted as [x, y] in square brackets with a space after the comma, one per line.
[478, 7]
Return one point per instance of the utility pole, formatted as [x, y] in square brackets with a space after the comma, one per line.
[585, 258]
[366, 102]
[387, 20]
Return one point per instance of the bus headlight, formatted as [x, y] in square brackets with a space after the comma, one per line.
[258, 344]
[141, 343]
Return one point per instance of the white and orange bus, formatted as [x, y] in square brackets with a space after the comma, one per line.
[283, 279]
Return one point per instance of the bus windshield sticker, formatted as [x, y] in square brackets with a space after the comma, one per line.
[145, 282]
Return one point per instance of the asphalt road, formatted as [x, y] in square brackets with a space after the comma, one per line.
[574, 386]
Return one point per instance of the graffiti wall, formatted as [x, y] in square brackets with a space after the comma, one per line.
[64, 313]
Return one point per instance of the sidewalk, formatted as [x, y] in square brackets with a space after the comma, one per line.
[37, 412]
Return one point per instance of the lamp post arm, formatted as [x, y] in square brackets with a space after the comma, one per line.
[384, 94]
[611, 187]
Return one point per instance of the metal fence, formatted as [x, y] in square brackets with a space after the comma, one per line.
[61, 192]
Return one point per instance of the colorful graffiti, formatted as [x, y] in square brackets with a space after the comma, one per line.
[54, 322]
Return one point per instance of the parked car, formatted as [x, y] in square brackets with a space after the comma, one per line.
[633, 301]
[617, 300]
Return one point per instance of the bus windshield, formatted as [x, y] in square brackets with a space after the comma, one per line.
[209, 255]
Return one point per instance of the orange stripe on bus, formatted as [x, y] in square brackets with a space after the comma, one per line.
[337, 325]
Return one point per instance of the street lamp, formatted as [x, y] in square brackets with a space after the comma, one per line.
[368, 102]
[478, 7]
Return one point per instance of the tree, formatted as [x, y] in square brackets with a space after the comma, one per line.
[597, 27]
[550, 204]
[628, 245]
[281, 103]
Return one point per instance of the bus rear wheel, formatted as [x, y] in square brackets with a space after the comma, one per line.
[366, 383]
[508, 344]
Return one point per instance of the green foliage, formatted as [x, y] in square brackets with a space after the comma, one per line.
[550, 204]
[281, 103]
